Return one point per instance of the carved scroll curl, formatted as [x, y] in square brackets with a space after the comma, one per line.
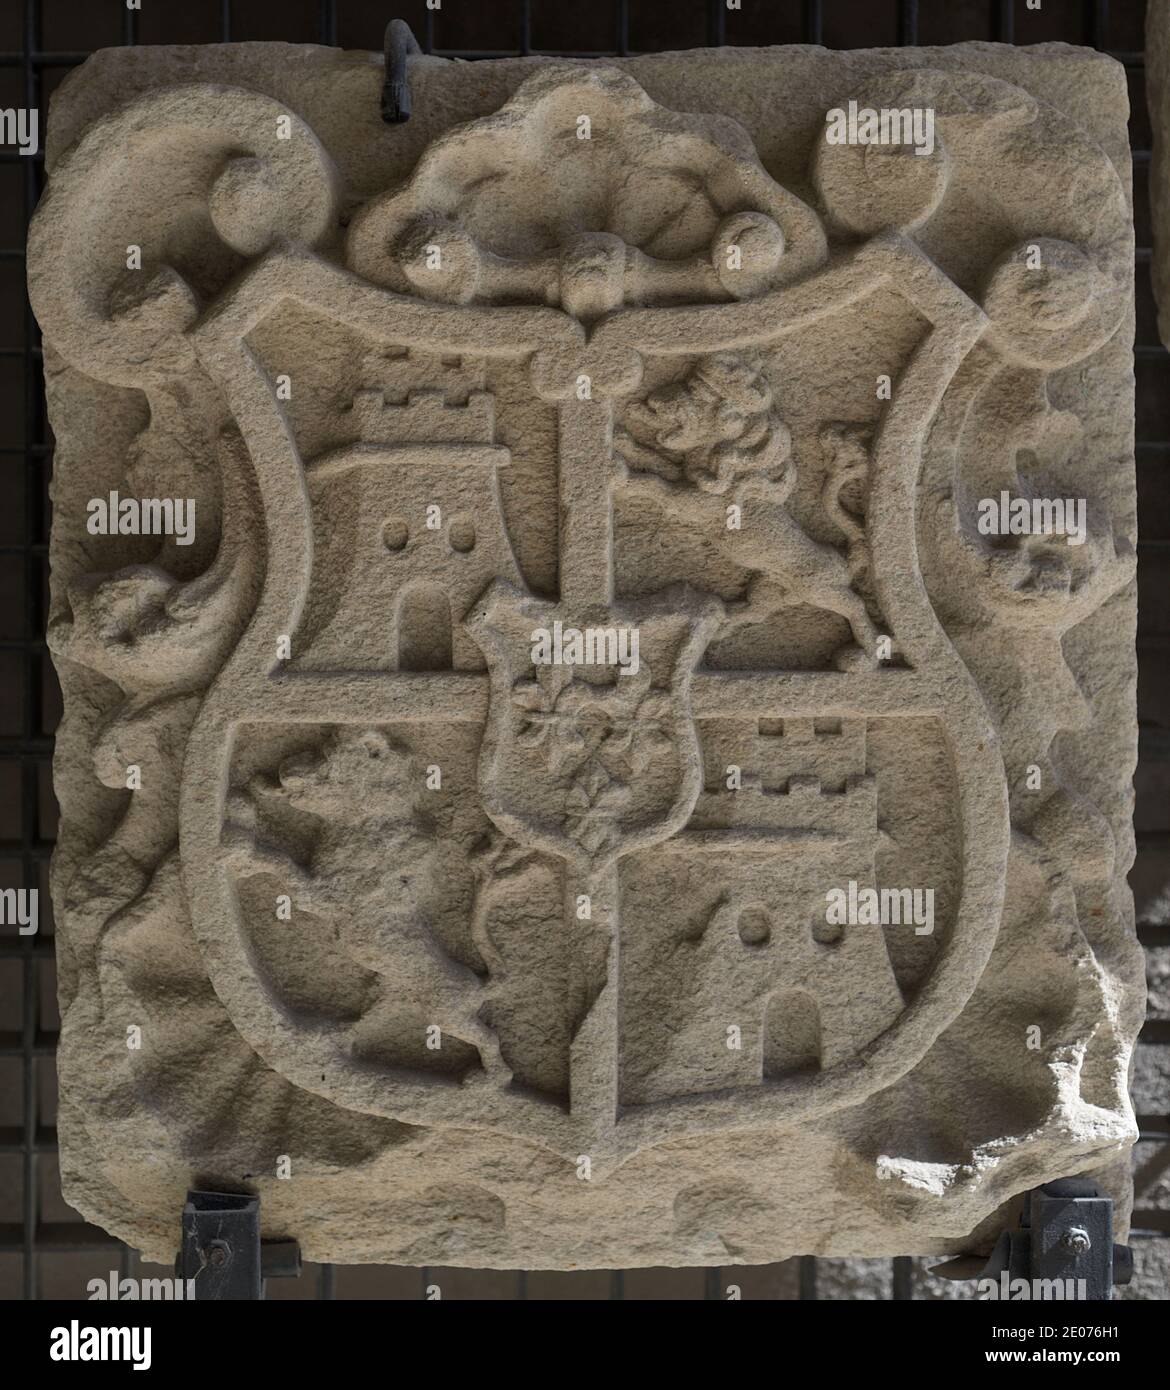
[199, 178]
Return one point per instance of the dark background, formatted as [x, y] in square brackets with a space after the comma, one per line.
[45, 1249]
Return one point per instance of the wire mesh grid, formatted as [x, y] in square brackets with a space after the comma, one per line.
[27, 1141]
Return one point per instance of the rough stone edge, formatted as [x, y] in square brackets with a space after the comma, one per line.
[100, 84]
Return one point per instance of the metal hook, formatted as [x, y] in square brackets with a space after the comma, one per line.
[400, 43]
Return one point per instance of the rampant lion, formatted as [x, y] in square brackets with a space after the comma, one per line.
[368, 872]
[716, 435]
[719, 424]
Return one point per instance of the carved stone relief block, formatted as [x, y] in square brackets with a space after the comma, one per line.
[597, 637]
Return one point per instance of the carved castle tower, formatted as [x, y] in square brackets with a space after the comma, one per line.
[802, 821]
[414, 502]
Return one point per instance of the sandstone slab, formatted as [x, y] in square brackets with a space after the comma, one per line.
[587, 772]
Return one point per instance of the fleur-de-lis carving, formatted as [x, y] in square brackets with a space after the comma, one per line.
[575, 720]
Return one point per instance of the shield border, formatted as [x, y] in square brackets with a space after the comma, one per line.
[250, 688]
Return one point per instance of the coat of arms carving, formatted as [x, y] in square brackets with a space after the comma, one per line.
[592, 727]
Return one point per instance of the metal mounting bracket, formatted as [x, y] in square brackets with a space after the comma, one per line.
[399, 45]
[1066, 1234]
[222, 1252]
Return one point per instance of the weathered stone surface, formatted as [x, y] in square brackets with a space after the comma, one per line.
[867, 1280]
[1151, 1270]
[925, 1285]
[638, 383]
[1150, 1084]
[1158, 981]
